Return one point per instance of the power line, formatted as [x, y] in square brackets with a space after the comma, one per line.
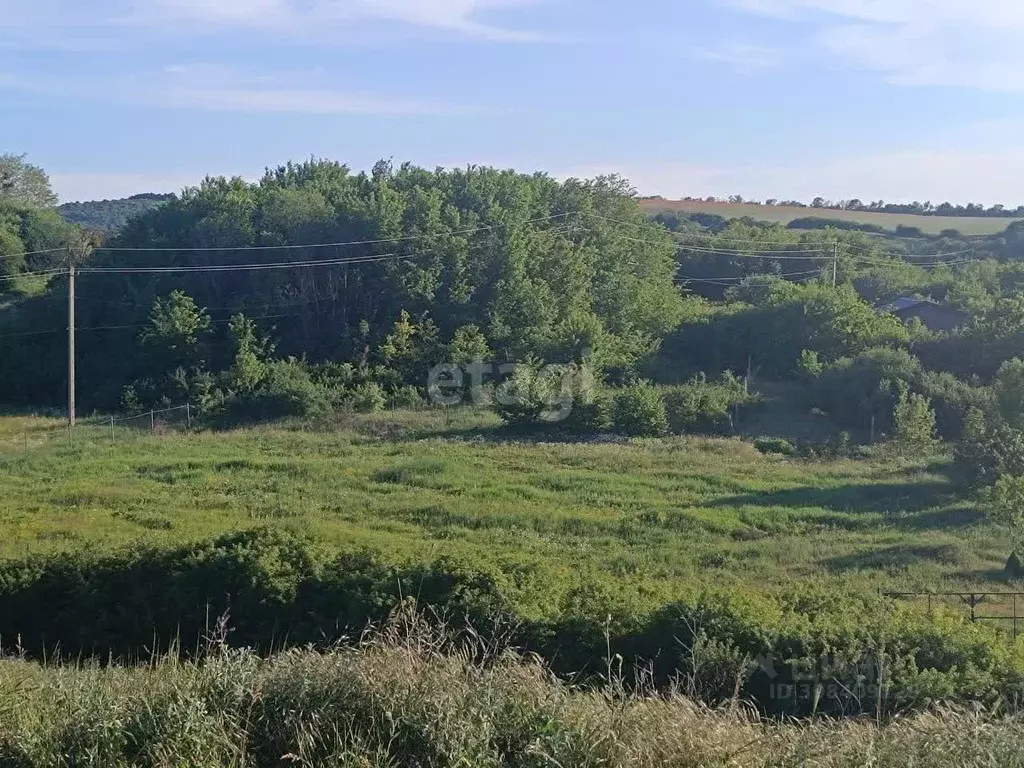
[739, 279]
[49, 272]
[31, 253]
[246, 267]
[137, 327]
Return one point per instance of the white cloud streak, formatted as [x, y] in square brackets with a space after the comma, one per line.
[744, 58]
[217, 88]
[314, 20]
[977, 44]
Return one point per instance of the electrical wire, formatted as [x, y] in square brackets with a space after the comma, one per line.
[246, 267]
[49, 273]
[30, 253]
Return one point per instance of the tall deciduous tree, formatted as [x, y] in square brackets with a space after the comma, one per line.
[25, 183]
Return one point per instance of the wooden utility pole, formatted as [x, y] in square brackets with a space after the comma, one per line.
[71, 339]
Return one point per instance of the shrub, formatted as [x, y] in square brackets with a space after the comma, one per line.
[705, 407]
[282, 588]
[952, 399]
[861, 392]
[988, 450]
[538, 394]
[914, 424]
[286, 390]
[368, 397]
[775, 445]
[405, 397]
[639, 411]
[591, 415]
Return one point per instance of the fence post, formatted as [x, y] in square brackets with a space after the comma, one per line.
[152, 421]
[188, 416]
[111, 430]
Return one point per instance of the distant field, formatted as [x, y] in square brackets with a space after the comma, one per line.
[932, 225]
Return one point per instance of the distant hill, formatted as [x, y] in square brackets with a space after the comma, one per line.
[931, 225]
[110, 215]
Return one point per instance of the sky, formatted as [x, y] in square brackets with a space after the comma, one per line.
[875, 99]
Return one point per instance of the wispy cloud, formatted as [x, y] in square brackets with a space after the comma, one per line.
[315, 20]
[977, 44]
[744, 58]
[224, 89]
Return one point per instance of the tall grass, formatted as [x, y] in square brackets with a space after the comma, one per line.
[410, 695]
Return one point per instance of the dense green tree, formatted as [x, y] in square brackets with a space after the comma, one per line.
[175, 330]
[24, 183]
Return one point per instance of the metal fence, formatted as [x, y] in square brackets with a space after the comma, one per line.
[114, 428]
[999, 607]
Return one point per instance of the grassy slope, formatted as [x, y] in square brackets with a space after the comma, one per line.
[660, 513]
[928, 224]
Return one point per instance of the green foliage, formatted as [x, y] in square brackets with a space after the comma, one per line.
[786, 323]
[863, 391]
[706, 407]
[489, 254]
[775, 445]
[810, 365]
[405, 397]
[368, 397]
[24, 183]
[252, 354]
[537, 394]
[413, 693]
[175, 329]
[953, 399]
[109, 216]
[1008, 388]
[286, 389]
[1005, 501]
[639, 411]
[412, 349]
[468, 345]
[914, 429]
[989, 449]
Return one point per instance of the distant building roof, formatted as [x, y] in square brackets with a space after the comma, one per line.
[938, 317]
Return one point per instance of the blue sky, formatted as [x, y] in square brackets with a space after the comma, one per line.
[893, 99]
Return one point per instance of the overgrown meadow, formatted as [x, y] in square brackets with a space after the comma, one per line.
[751, 577]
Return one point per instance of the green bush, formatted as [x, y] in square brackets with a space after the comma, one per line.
[639, 411]
[590, 415]
[952, 399]
[536, 394]
[861, 392]
[706, 407]
[278, 588]
[367, 398]
[989, 449]
[914, 425]
[405, 397]
[775, 445]
[286, 390]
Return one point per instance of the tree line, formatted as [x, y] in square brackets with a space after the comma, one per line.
[917, 208]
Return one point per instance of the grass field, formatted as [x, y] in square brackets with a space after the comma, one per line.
[403, 699]
[931, 225]
[658, 514]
